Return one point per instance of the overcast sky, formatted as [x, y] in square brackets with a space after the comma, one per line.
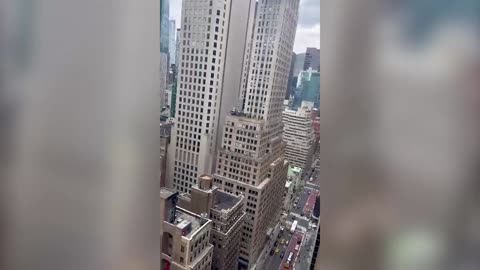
[308, 29]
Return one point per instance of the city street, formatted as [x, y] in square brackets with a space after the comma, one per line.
[297, 236]
[304, 230]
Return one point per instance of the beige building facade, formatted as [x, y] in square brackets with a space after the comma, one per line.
[184, 236]
[227, 214]
[251, 158]
[208, 82]
[299, 136]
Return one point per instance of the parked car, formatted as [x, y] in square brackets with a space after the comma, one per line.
[282, 254]
[275, 244]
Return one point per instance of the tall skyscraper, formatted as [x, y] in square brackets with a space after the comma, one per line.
[312, 59]
[308, 88]
[299, 63]
[209, 76]
[177, 45]
[164, 14]
[251, 159]
[291, 77]
[173, 98]
[172, 32]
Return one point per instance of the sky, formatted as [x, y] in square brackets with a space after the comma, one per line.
[308, 29]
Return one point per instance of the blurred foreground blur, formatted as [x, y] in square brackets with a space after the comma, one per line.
[79, 134]
[400, 131]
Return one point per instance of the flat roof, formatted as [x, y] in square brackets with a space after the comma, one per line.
[165, 193]
[225, 201]
[184, 217]
[293, 170]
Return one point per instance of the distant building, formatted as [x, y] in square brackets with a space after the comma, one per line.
[312, 59]
[299, 137]
[173, 93]
[291, 77]
[178, 38]
[298, 63]
[308, 88]
[165, 132]
[226, 212]
[184, 236]
[172, 32]
[295, 175]
[164, 40]
[291, 186]
[164, 25]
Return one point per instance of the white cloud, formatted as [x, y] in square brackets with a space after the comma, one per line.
[307, 37]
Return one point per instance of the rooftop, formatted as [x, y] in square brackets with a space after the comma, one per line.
[243, 117]
[185, 218]
[225, 201]
[166, 193]
[293, 171]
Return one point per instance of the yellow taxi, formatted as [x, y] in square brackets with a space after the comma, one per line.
[277, 250]
[282, 241]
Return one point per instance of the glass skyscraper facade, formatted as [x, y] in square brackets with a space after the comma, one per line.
[164, 25]
[311, 89]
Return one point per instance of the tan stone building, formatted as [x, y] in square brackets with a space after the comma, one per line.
[227, 214]
[259, 174]
[251, 158]
[184, 236]
[299, 136]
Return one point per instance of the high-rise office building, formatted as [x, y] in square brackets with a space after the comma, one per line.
[208, 82]
[298, 63]
[184, 236]
[172, 32]
[308, 88]
[164, 25]
[251, 159]
[177, 45]
[299, 136]
[173, 94]
[226, 212]
[312, 59]
[291, 77]
[311, 90]
[165, 132]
